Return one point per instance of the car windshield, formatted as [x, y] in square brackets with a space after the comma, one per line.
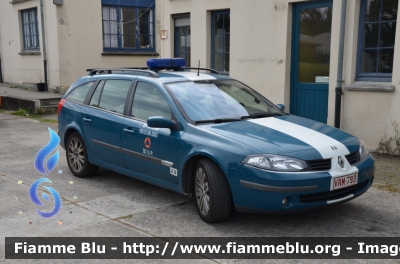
[228, 100]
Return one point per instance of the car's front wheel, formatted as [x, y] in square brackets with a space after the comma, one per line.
[212, 193]
[77, 157]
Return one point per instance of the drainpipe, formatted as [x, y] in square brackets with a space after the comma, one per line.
[339, 90]
[1, 73]
[44, 47]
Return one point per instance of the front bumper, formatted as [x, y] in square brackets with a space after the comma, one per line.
[256, 190]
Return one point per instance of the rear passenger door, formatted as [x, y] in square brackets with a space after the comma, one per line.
[150, 151]
[102, 120]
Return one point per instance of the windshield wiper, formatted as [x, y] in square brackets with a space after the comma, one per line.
[218, 120]
[261, 115]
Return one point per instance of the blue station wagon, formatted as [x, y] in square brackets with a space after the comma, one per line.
[208, 136]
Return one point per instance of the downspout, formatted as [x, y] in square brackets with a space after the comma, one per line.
[44, 46]
[339, 90]
[1, 73]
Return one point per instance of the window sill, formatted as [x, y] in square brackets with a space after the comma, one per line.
[124, 53]
[370, 87]
[17, 1]
[25, 52]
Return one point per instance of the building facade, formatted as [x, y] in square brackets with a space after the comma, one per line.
[289, 52]
[78, 35]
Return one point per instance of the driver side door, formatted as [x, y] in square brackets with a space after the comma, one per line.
[150, 151]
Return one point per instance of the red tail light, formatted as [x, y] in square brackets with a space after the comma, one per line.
[60, 105]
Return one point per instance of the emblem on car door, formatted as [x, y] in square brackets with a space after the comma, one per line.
[341, 161]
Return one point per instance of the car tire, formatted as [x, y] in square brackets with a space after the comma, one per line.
[77, 158]
[211, 191]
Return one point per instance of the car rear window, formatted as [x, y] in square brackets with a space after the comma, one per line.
[114, 95]
[78, 95]
[96, 95]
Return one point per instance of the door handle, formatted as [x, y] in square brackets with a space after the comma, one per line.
[129, 131]
[87, 120]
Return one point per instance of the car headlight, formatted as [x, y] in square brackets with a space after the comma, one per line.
[276, 163]
[363, 151]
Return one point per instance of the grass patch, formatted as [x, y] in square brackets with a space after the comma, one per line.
[40, 116]
[21, 112]
[387, 172]
[2, 110]
[41, 111]
[387, 187]
[46, 120]
[125, 217]
[392, 188]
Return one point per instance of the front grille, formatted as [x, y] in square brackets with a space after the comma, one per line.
[332, 195]
[320, 165]
[353, 158]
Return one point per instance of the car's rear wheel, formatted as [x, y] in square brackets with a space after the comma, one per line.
[77, 157]
[212, 193]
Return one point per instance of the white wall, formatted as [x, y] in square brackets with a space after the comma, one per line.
[260, 56]
[17, 68]
[74, 43]
[80, 39]
[368, 114]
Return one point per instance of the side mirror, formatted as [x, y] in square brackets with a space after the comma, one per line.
[160, 122]
[281, 107]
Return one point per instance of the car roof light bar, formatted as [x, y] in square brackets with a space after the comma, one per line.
[176, 64]
[161, 64]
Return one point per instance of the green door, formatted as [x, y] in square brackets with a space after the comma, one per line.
[312, 23]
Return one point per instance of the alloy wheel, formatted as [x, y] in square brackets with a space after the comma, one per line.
[202, 191]
[76, 154]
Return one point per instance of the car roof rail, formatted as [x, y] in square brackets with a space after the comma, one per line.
[136, 70]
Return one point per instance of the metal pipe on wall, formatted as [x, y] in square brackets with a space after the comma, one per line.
[339, 90]
[44, 46]
[1, 73]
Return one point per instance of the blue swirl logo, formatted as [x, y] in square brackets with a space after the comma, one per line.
[35, 198]
[46, 151]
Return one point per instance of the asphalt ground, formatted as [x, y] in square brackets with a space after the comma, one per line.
[113, 205]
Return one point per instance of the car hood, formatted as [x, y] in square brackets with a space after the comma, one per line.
[288, 135]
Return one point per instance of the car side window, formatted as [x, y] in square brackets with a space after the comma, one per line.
[79, 93]
[148, 101]
[114, 95]
[96, 95]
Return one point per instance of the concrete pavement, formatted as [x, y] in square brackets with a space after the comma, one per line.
[15, 97]
[110, 204]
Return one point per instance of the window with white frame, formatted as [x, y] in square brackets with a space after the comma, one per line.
[30, 33]
[378, 20]
[128, 27]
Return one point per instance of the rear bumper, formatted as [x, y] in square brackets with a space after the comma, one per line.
[261, 191]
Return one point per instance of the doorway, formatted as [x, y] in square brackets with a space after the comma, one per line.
[311, 48]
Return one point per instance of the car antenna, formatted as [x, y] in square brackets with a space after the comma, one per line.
[198, 71]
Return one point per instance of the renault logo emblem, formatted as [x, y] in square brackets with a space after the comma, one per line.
[341, 162]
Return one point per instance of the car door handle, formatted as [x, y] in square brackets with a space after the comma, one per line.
[129, 131]
[87, 120]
